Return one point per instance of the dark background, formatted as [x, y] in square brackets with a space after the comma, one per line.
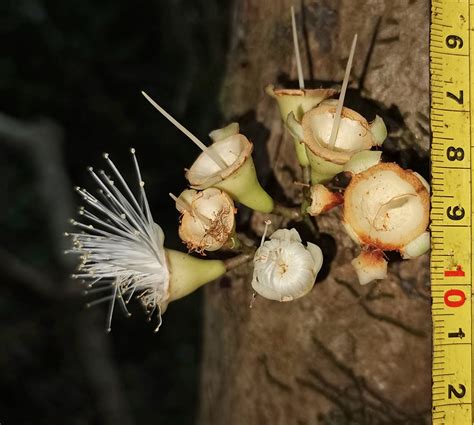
[71, 73]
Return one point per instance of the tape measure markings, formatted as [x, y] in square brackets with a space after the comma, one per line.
[452, 245]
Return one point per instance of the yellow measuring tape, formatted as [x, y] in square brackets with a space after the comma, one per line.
[451, 54]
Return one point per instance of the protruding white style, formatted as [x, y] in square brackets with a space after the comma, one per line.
[207, 220]
[299, 68]
[215, 157]
[340, 103]
[122, 247]
[284, 269]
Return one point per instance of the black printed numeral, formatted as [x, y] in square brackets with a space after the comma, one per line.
[457, 393]
[459, 99]
[455, 154]
[453, 41]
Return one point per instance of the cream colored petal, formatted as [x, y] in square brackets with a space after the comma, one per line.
[370, 266]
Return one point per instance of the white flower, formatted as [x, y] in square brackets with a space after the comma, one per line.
[284, 269]
[121, 247]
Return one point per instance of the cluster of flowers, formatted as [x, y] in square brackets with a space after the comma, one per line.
[385, 208]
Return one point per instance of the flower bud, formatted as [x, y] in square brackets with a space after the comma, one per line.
[284, 269]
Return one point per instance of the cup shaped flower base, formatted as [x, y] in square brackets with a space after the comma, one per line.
[238, 179]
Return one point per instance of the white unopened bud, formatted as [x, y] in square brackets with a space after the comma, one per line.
[284, 269]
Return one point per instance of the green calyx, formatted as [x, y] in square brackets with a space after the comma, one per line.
[244, 187]
[297, 102]
[322, 170]
[188, 273]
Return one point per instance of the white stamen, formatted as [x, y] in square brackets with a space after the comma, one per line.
[267, 223]
[297, 49]
[99, 301]
[340, 103]
[111, 310]
[209, 152]
[160, 321]
[124, 253]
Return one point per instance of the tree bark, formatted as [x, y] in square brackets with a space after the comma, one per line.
[345, 353]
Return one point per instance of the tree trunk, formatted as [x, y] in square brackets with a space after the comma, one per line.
[345, 353]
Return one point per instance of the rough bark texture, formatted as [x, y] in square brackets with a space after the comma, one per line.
[344, 354]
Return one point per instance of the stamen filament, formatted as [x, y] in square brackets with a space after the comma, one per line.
[111, 309]
[267, 223]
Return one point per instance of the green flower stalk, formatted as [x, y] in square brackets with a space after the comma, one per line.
[188, 273]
